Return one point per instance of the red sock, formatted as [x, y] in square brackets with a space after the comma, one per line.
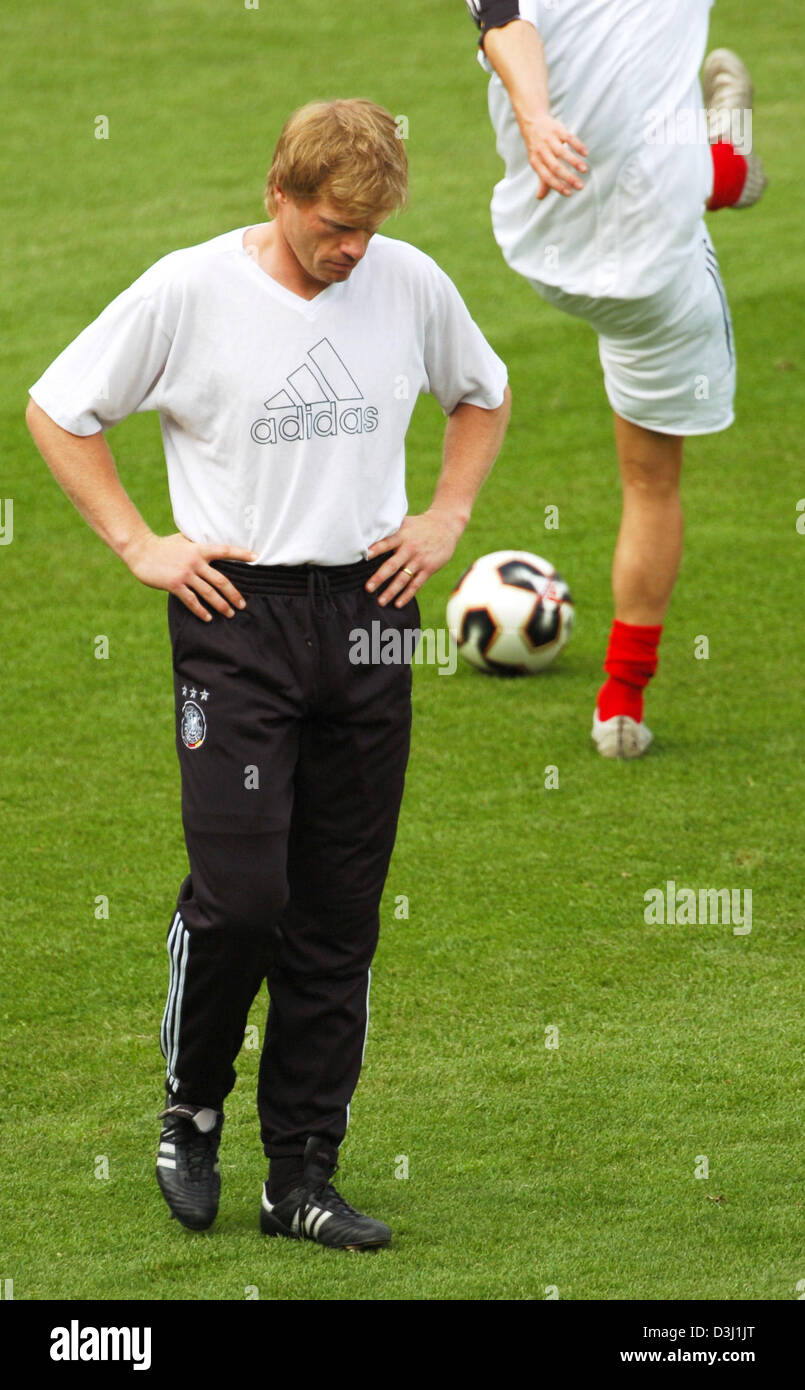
[729, 175]
[630, 663]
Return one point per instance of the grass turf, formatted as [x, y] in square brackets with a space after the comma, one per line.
[529, 1167]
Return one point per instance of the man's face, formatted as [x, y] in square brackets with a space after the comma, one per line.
[326, 242]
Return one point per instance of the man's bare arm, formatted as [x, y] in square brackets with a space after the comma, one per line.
[517, 55]
[424, 543]
[84, 468]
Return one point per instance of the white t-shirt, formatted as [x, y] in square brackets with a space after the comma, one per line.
[283, 419]
[623, 77]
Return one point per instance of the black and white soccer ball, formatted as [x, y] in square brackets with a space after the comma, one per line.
[510, 613]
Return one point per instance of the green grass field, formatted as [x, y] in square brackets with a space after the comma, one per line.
[530, 1168]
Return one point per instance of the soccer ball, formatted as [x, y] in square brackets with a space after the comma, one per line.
[510, 613]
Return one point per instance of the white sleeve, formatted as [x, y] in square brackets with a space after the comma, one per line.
[460, 365]
[110, 370]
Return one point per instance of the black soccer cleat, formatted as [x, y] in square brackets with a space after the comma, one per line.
[187, 1163]
[315, 1211]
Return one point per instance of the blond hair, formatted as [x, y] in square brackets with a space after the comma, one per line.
[348, 151]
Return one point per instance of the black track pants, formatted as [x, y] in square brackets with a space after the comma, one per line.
[293, 760]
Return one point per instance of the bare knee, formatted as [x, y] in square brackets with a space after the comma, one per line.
[648, 481]
[650, 462]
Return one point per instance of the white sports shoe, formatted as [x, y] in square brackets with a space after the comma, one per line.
[756, 182]
[727, 89]
[620, 737]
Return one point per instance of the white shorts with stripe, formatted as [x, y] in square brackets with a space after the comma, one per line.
[668, 359]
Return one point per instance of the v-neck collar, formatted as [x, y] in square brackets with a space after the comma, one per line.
[309, 308]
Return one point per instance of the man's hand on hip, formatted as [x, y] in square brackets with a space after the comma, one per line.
[84, 468]
[183, 568]
[472, 437]
[422, 546]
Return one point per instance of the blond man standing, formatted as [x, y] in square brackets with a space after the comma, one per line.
[275, 356]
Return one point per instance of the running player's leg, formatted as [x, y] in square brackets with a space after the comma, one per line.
[669, 372]
[739, 179]
[649, 546]
[644, 570]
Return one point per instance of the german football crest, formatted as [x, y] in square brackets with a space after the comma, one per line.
[193, 724]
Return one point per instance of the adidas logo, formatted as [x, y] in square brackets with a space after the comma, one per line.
[302, 1227]
[312, 1223]
[321, 402]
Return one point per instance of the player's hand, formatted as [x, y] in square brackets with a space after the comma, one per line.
[183, 568]
[421, 546]
[551, 147]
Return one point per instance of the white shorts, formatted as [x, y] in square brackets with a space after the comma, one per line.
[668, 359]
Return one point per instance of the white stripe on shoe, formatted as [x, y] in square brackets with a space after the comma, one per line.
[318, 1221]
[313, 1221]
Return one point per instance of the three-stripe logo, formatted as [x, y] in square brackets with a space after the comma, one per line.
[321, 400]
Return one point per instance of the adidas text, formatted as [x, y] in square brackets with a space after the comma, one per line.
[310, 421]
